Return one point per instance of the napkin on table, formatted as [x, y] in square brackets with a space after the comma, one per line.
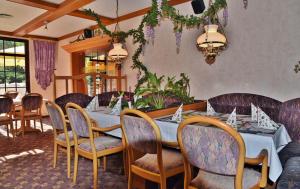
[178, 114]
[116, 110]
[232, 119]
[210, 110]
[264, 121]
[93, 105]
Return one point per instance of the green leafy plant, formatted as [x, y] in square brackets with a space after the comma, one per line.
[154, 94]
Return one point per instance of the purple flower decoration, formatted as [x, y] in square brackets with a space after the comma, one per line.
[150, 33]
[225, 16]
[245, 4]
[178, 35]
[159, 3]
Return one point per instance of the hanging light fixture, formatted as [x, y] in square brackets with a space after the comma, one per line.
[117, 53]
[211, 43]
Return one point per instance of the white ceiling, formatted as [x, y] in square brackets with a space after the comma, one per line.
[21, 15]
[66, 24]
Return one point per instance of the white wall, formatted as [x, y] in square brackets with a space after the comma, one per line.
[263, 49]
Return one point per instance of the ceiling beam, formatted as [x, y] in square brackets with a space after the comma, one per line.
[52, 6]
[123, 18]
[7, 33]
[64, 8]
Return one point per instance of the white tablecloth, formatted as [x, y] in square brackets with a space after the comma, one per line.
[254, 142]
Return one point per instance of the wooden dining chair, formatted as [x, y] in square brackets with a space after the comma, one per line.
[62, 137]
[218, 151]
[31, 110]
[6, 111]
[95, 147]
[12, 94]
[142, 135]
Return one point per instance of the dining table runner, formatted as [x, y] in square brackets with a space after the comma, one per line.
[255, 138]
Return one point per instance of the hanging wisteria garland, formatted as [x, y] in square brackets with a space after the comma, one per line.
[160, 9]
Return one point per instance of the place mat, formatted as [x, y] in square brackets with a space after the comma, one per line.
[244, 122]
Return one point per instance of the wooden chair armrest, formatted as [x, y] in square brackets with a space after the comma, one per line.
[170, 144]
[96, 127]
[262, 158]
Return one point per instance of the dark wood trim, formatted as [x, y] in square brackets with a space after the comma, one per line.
[65, 7]
[123, 18]
[7, 33]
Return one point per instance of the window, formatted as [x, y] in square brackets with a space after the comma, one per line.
[14, 65]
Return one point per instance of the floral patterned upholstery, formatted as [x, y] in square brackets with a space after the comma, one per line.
[140, 134]
[32, 101]
[62, 136]
[78, 122]
[78, 98]
[290, 178]
[242, 101]
[104, 98]
[55, 116]
[290, 116]
[101, 143]
[5, 104]
[171, 159]
[206, 180]
[210, 149]
[289, 151]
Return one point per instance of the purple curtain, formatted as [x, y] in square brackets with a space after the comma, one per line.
[44, 62]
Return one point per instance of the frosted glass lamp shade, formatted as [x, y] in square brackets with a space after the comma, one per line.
[117, 53]
[211, 37]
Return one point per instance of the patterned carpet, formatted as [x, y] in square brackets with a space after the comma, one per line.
[27, 163]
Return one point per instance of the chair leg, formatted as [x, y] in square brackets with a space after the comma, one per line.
[104, 163]
[95, 170]
[55, 154]
[34, 124]
[69, 160]
[163, 184]
[75, 166]
[12, 130]
[125, 163]
[23, 126]
[99, 162]
[42, 125]
[7, 131]
[129, 179]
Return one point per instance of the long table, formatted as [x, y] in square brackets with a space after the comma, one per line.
[255, 141]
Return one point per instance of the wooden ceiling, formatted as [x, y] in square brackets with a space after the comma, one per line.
[67, 7]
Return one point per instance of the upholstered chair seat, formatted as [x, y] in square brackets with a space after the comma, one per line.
[171, 159]
[207, 180]
[101, 143]
[62, 136]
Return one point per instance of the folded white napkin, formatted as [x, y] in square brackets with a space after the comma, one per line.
[93, 105]
[253, 112]
[178, 114]
[116, 110]
[210, 110]
[264, 121]
[232, 119]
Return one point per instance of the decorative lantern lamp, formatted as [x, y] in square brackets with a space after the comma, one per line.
[211, 43]
[117, 54]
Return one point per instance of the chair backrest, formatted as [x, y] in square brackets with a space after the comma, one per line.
[213, 146]
[6, 104]
[56, 115]
[12, 94]
[78, 98]
[32, 101]
[79, 120]
[141, 132]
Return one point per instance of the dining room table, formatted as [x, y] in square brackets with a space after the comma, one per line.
[255, 137]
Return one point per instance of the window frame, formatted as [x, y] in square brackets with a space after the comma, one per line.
[26, 56]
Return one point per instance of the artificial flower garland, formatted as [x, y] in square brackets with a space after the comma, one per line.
[160, 9]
